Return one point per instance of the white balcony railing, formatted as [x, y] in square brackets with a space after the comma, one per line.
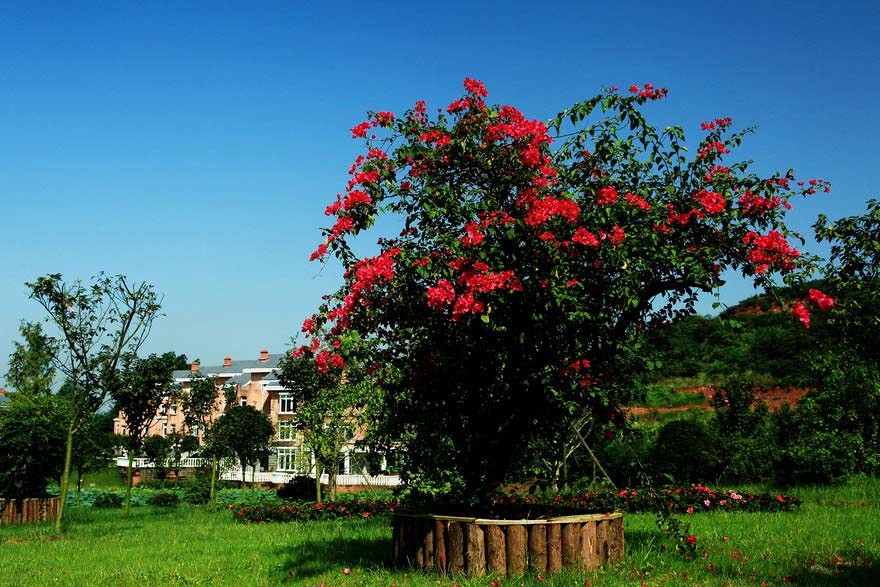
[275, 477]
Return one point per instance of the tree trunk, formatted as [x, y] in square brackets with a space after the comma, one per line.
[65, 478]
[129, 482]
[243, 482]
[317, 482]
[213, 476]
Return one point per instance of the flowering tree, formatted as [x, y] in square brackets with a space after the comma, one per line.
[512, 300]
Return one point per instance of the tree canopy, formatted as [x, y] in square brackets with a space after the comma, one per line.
[526, 262]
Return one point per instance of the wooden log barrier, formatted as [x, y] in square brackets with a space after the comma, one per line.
[474, 546]
[32, 510]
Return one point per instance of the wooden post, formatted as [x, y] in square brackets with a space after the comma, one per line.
[440, 559]
[554, 548]
[496, 550]
[601, 542]
[418, 541]
[538, 547]
[588, 546]
[455, 547]
[517, 557]
[475, 559]
[428, 543]
[571, 546]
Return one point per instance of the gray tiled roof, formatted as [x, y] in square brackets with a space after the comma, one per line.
[236, 368]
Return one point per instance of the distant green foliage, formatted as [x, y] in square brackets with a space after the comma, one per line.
[164, 499]
[300, 487]
[108, 499]
[685, 451]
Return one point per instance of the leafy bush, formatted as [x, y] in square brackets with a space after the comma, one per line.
[685, 450]
[300, 488]
[197, 490]
[108, 499]
[625, 457]
[164, 499]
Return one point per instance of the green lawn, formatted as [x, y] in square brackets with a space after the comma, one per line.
[834, 540]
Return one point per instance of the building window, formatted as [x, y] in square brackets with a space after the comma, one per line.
[286, 430]
[287, 404]
[242, 401]
[293, 458]
[164, 429]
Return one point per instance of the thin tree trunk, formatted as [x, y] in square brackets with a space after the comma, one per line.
[129, 482]
[65, 478]
[317, 480]
[213, 475]
[243, 482]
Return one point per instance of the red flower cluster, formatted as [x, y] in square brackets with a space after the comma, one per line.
[582, 236]
[637, 201]
[512, 125]
[712, 202]
[384, 119]
[606, 195]
[716, 170]
[770, 250]
[752, 205]
[541, 210]
[801, 312]
[713, 147]
[475, 87]
[616, 235]
[474, 278]
[822, 300]
[649, 92]
[718, 122]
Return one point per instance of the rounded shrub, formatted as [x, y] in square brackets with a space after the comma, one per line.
[164, 499]
[197, 491]
[299, 488]
[107, 499]
[685, 450]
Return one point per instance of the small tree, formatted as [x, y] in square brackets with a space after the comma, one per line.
[94, 447]
[157, 450]
[32, 440]
[32, 425]
[511, 297]
[246, 433]
[145, 386]
[330, 406]
[30, 365]
[201, 406]
[97, 324]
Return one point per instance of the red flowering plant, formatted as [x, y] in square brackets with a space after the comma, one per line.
[531, 258]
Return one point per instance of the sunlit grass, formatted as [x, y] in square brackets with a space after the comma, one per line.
[834, 540]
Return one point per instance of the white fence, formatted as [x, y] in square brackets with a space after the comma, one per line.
[276, 477]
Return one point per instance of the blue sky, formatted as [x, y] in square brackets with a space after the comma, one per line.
[195, 145]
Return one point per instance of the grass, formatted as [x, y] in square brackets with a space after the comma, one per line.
[834, 540]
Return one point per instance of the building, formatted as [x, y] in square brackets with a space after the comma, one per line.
[256, 384]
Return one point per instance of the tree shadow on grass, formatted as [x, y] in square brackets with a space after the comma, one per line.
[854, 568]
[322, 556]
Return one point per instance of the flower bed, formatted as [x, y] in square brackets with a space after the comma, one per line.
[690, 500]
[302, 511]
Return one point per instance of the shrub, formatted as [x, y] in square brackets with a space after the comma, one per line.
[108, 500]
[164, 499]
[685, 450]
[197, 490]
[299, 488]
